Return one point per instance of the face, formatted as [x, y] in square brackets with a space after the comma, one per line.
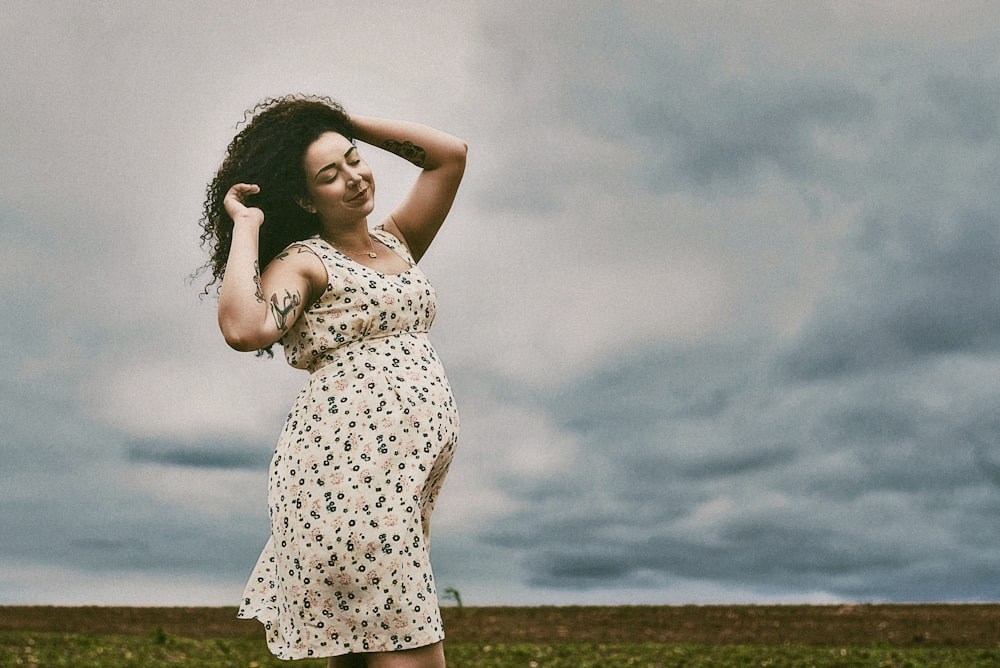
[338, 181]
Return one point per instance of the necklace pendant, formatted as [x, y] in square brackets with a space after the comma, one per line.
[372, 255]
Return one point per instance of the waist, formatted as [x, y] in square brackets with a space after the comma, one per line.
[391, 347]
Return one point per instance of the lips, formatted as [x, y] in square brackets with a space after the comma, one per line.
[361, 195]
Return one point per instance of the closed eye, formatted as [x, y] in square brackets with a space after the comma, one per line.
[328, 174]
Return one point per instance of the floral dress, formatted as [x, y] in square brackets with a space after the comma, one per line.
[357, 469]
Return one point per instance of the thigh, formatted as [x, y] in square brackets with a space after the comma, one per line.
[346, 661]
[431, 656]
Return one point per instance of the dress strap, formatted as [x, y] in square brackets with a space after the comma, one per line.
[393, 242]
[318, 247]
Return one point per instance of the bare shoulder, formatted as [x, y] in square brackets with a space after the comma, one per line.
[297, 257]
[389, 225]
[300, 261]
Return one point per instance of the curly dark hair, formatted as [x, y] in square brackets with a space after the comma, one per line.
[269, 152]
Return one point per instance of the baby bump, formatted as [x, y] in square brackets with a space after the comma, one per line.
[382, 422]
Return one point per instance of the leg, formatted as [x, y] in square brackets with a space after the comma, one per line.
[346, 661]
[431, 656]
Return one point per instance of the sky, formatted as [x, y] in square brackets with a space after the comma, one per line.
[719, 296]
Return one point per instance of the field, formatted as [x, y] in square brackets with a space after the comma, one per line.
[542, 637]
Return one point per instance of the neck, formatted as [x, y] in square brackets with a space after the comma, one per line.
[355, 237]
[354, 242]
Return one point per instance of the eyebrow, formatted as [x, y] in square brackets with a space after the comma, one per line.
[333, 165]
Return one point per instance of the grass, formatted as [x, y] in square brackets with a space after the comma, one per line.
[545, 637]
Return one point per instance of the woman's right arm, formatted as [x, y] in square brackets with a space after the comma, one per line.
[256, 310]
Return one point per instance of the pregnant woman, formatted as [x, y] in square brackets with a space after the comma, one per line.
[360, 461]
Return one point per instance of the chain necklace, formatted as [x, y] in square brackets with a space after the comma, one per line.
[370, 252]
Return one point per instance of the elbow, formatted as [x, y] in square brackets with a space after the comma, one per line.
[448, 156]
[457, 152]
[241, 344]
[242, 339]
[457, 156]
[461, 151]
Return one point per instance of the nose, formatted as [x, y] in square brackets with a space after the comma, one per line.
[354, 177]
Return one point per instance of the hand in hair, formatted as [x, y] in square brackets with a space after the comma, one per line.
[238, 210]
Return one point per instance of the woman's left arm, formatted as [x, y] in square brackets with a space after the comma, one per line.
[441, 158]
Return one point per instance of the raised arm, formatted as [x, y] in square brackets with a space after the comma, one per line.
[256, 310]
[441, 157]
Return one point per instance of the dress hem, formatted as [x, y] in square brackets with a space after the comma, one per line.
[321, 652]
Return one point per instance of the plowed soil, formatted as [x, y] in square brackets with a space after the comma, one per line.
[935, 625]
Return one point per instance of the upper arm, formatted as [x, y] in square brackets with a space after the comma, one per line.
[417, 219]
[292, 281]
[289, 284]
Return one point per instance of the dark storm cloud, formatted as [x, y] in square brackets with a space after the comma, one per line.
[963, 107]
[819, 460]
[118, 529]
[985, 437]
[828, 432]
[214, 455]
[846, 486]
[736, 130]
[72, 498]
[861, 496]
[739, 463]
[918, 285]
[693, 126]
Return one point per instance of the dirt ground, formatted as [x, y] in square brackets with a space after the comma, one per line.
[934, 625]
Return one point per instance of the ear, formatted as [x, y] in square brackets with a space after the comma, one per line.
[306, 204]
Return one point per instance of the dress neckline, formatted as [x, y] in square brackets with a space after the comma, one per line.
[365, 266]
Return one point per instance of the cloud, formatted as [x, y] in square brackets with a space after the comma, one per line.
[739, 129]
[718, 297]
[918, 281]
[27, 583]
[835, 486]
[813, 434]
[197, 455]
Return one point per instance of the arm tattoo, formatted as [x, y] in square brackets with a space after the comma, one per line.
[407, 150]
[259, 292]
[288, 304]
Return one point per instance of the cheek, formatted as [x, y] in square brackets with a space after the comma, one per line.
[330, 191]
[312, 191]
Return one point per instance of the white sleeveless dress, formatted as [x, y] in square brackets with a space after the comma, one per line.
[357, 469]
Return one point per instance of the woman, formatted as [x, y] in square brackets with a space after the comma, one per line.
[345, 573]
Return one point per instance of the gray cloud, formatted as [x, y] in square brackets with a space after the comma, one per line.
[918, 285]
[860, 466]
[738, 130]
[198, 455]
[737, 337]
[841, 455]
[851, 493]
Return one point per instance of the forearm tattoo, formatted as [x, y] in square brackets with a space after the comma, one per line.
[407, 150]
[259, 292]
[281, 312]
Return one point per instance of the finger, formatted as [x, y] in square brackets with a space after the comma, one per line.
[241, 190]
